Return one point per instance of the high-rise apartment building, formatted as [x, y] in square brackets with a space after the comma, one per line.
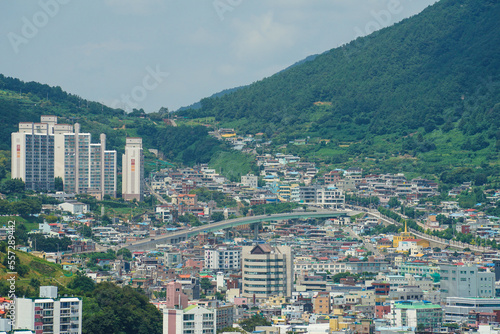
[43, 151]
[32, 154]
[266, 271]
[49, 314]
[133, 170]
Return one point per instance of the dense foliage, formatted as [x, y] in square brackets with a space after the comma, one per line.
[206, 195]
[112, 309]
[271, 208]
[184, 144]
[50, 244]
[254, 321]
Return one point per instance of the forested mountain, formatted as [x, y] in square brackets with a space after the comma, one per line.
[197, 105]
[427, 86]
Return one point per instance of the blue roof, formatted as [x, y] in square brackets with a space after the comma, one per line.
[179, 266]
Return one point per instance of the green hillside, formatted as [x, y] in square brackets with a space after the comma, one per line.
[422, 95]
[32, 272]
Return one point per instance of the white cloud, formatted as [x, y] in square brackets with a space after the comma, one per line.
[262, 37]
[202, 36]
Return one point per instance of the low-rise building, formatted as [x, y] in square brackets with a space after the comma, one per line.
[193, 320]
[415, 313]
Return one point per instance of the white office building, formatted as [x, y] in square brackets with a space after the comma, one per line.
[466, 281]
[330, 198]
[133, 170]
[49, 314]
[457, 308]
[223, 258]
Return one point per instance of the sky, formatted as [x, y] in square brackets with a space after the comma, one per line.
[171, 53]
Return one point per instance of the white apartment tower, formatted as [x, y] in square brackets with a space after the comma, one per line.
[32, 154]
[43, 151]
[85, 168]
[133, 170]
[49, 314]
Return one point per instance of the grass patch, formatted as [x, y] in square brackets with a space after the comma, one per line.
[234, 164]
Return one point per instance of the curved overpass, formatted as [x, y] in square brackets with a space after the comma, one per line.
[183, 235]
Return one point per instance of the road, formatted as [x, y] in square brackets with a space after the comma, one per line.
[369, 246]
[156, 195]
[183, 235]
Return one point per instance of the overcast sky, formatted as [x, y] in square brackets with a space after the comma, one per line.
[171, 53]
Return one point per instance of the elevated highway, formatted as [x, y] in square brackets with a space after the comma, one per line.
[182, 235]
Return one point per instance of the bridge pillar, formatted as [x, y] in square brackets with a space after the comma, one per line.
[255, 227]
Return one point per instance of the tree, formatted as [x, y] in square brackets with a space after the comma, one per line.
[205, 284]
[13, 186]
[58, 184]
[125, 252]
[336, 278]
[254, 321]
[35, 283]
[111, 309]
[86, 231]
[393, 202]
[217, 216]
[480, 179]
[82, 283]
